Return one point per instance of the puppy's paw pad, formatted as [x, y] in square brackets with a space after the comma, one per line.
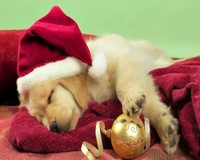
[139, 103]
[170, 131]
[169, 134]
[170, 144]
[132, 104]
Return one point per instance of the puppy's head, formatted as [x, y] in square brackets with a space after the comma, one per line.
[57, 104]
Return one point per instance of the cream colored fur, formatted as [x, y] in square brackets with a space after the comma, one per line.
[125, 77]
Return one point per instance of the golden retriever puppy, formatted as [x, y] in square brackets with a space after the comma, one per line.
[58, 104]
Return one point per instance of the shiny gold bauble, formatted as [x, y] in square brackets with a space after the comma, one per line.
[127, 136]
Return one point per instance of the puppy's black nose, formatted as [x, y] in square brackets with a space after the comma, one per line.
[54, 127]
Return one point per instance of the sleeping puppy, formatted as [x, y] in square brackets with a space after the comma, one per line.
[58, 104]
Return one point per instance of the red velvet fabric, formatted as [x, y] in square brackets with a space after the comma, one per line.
[179, 86]
[8, 152]
[52, 38]
[8, 64]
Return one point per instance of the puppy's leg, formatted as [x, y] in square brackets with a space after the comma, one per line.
[136, 89]
[160, 118]
[129, 85]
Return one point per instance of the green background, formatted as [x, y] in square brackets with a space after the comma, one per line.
[172, 25]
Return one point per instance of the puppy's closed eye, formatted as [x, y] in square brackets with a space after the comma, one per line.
[49, 98]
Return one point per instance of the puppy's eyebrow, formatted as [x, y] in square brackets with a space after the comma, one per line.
[49, 98]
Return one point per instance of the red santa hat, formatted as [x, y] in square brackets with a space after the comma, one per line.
[53, 47]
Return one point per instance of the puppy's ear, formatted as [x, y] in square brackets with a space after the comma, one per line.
[77, 85]
[23, 99]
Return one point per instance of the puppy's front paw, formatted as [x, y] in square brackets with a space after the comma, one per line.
[132, 104]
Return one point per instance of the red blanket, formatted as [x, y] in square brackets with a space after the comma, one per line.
[8, 152]
[179, 86]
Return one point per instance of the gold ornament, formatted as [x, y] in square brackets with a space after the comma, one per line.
[128, 137]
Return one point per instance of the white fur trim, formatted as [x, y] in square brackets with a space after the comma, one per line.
[99, 65]
[64, 68]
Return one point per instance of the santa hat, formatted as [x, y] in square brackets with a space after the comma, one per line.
[53, 47]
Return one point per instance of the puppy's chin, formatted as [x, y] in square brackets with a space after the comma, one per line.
[66, 121]
[67, 127]
[75, 118]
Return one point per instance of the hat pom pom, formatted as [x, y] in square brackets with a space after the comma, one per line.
[99, 65]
